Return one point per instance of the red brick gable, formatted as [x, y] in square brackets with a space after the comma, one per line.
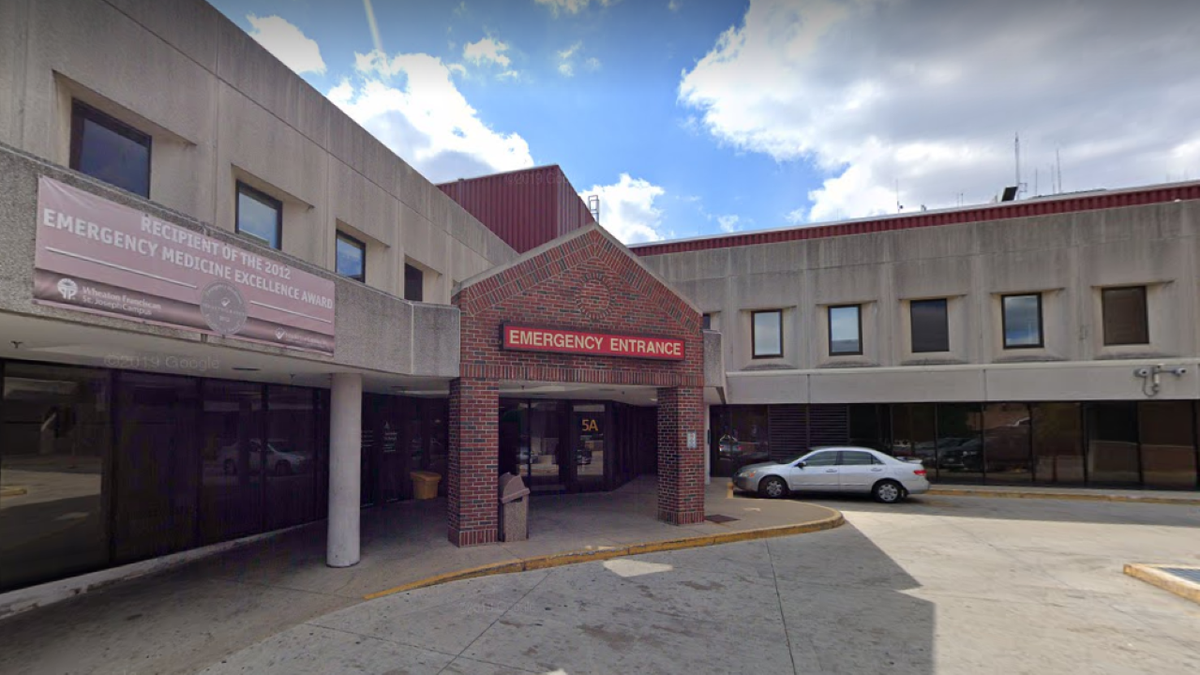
[582, 281]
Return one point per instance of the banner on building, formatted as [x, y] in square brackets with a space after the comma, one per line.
[95, 255]
[533, 339]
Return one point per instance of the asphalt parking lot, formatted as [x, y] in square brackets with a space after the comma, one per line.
[938, 584]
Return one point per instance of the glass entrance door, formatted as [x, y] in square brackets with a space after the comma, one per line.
[589, 421]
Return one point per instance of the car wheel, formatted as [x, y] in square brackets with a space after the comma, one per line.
[283, 468]
[772, 487]
[230, 467]
[887, 492]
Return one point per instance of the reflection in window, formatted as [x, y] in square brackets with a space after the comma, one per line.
[590, 421]
[959, 445]
[110, 150]
[1057, 443]
[741, 433]
[1112, 457]
[821, 459]
[54, 438]
[259, 215]
[231, 497]
[1168, 444]
[290, 456]
[1007, 443]
[767, 333]
[914, 433]
[1125, 320]
[845, 330]
[1022, 320]
[930, 326]
[852, 458]
[351, 257]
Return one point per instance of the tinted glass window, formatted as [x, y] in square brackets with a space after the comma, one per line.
[853, 458]
[351, 257]
[706, 321]
[845, 328]
[109, 150]
[1022, 321]
[54, 442]
[768, 333]
[231, 492]
[930, 328]
[1125, 320]
[259, 215]
[1168, 445]
[414, 283]
[822, 459]
[1112, 452]
[291, 456]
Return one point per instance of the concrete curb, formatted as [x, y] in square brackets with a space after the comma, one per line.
[1152, 574]
[542, 562]
[1070, 496]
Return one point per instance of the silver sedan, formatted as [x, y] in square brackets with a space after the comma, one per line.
[836, 469]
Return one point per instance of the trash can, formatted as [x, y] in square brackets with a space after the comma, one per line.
[514, 508]
[425, 484]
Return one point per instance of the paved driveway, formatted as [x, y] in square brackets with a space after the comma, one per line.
[947, 585]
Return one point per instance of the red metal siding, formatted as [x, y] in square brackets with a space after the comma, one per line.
[1025, 209]
[524, 208]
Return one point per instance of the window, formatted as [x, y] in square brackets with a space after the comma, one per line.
[766, 333]
[112, 151]
[414, 283]
[828, 458]
[706, 321]
[856, 458]
[930, 327]
[259, 215]
[1125, 320]
[1022, 320]
[351, 257]
[845, 330]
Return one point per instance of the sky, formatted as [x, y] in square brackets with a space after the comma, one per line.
[692, 118]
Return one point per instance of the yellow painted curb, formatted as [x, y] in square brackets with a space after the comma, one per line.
[1151, 574]
[1002, 494]
[593, 555]
[13, 491]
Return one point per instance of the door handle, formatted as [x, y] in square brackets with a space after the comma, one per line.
[830, 470]
[877, 469]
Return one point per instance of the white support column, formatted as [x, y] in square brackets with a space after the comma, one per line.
[345, 469]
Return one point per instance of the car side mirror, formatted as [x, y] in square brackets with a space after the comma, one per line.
[801, 464]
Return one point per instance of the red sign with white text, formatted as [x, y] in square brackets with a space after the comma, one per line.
[528, 338]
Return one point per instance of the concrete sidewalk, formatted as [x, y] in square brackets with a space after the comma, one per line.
[186, 619]
[1183, 498]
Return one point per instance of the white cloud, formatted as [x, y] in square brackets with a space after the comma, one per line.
[487, 50]
[424, 118]
[287, 43]
[675, 5]
[566, 58]
[592, 63]
[571, 6]
[627, 209]
[929, 94]
[728, 223]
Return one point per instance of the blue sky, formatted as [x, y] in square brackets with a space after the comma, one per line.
[693, 117]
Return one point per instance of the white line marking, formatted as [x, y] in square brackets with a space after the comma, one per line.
[119, 267]
[289, 311]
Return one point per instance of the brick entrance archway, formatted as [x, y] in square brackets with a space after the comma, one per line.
[583, 281]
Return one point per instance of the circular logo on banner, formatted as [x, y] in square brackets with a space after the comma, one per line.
[67, 288]
[594, 298]
[222, 306]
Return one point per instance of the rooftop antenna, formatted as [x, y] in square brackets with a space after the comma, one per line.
[899, 206]
[1036, 191]
[1021, 187]
[594, 206]
[1058, 170]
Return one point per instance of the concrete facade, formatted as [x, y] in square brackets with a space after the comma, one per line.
[1068, 258]
[221, 109]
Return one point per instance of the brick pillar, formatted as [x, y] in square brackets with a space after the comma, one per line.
[474, 456]
[680, 468]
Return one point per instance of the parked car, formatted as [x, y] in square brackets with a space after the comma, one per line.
[281, 459]
[836, 469]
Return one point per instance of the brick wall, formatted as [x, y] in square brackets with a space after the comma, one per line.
[586, 282]
[474, 460]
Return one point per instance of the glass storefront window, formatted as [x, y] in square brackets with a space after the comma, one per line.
[959, 447]
[233, 460]
[290, 457]
[914, 433]
[54, 445]
[1007, 448]
[546, 472]
[156, 466]
[1168, 444]
[591, 422]
[1112, 432]
[1057, 443]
